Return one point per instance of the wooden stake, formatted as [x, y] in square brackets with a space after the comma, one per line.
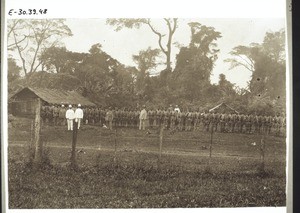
[211, 140]
[262, 152]
[37, 129]
[31, 134]
[115, 147]
[74, 142]
[161, 133]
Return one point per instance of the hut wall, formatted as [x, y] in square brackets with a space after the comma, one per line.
[23, 104]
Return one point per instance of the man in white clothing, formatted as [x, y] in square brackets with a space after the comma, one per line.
[177, 109]
[143, 117]
[70, 115]
[78, 115]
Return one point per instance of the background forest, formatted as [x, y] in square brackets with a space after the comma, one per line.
[38, 58]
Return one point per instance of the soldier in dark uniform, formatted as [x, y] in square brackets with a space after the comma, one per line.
[55, 114]
[176, 114]
[252, 121]
[238, 122]
[226, 122]
[49, 113]
[62, 115]
[205, 121]
[128, 115]
[281, 125]
[282, 121]
[260, 123]
[180, 120]
[151, 117]
[214, 121]
[270, 121]
[172, 120]
[102, 116]
[233, 122]
[264, 124]
[243, 123]
[166, 119]
[158, 117]
[86, 114]
[89, 115]
[247, 123]
[188, 121]
[97, 115]
[117, 117]
[137, 118]
[133, 118]
[255, 123]
[196, 117]
[222, 123]
[154, 114]
[122, 117]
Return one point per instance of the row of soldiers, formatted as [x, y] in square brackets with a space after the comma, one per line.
[174, 119]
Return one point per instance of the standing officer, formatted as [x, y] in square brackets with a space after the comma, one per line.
[78, 115]
[143, 117]
[70, 115]
[109, 118]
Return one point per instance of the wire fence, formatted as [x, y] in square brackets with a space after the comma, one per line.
[161, 143]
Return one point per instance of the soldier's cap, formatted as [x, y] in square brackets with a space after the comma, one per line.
[79, 105]
[70, 106]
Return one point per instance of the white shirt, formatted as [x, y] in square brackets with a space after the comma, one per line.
[177, 109]
[70, 114]
[79, 113]
[143, 114]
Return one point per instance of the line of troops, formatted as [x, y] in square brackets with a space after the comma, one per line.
[172, 119]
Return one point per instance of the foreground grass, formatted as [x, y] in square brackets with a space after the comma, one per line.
[136, 181]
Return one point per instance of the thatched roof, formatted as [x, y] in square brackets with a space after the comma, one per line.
[223, 106]
[53, 96]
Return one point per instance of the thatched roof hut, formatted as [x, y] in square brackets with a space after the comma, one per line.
[23, 102]
[223, 108]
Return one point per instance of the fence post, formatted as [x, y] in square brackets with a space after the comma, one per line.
[31, 145]
[37, 129]
[262, 153]
[74, 141]
[161, 134]
[115, 146]
[211, 140]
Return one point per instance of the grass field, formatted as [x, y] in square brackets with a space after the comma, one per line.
[185, 176]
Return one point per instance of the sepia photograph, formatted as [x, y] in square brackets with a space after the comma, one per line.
[121, 113]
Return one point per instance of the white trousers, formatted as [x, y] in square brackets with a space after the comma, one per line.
[78, 120]
[70, 124]
[142, 124]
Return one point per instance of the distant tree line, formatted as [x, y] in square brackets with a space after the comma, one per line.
[46, 63]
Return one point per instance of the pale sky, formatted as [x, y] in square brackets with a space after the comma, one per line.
[123, 44]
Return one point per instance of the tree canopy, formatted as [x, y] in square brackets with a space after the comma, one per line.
[46, 63]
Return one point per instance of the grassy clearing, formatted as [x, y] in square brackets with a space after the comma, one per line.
[183, 179]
